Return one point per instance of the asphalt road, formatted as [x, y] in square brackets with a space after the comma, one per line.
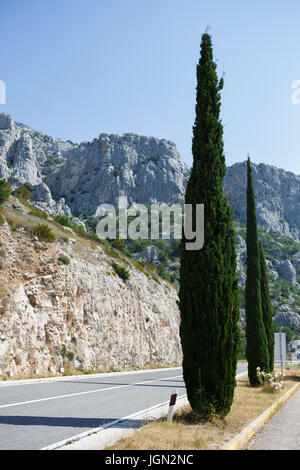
[36, 415]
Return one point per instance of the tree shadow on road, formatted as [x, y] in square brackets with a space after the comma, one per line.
[66, 421]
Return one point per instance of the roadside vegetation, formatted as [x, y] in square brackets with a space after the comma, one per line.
[187, 433]
[44, 233]
[5, 190]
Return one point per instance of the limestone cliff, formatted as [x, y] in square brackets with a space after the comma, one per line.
[81, 313]
[82, 176]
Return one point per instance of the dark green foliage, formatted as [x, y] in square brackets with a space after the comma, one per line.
[289, 332]
[43, 232]
[64, 259]
[242, 348]
[67, 221]
[257, 348]
[38, 213]
[23, 191]
[266, 307]
[12, 224]
[4, 191]
[116, 171]
[208, 285]
[122, 272]
[70, 356]
[118, 243]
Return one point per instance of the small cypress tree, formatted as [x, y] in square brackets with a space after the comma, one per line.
[257, 348]
[208, 285]
[266, 306]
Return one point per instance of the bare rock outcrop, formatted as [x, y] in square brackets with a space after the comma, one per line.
[80, 312]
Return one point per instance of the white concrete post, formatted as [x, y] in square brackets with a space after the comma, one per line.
[171, 406]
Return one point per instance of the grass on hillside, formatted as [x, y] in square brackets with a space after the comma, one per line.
[30, 221]
[186, 434]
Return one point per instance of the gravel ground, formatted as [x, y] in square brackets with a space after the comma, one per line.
[283, 432]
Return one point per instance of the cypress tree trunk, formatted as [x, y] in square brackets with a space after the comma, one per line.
[266, 306]
[257, 347]
[208, 284]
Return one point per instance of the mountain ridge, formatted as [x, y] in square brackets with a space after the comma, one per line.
[76, 178]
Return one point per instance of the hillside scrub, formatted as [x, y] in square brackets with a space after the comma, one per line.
[43, 233]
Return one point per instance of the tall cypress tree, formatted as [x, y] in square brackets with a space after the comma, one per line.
[208, 285]
[266, 307]
[257, 348]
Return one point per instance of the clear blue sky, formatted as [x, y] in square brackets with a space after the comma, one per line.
[76, 68]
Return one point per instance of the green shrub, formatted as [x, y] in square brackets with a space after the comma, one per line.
[4, 191]
[12, 224]
[122, 272]
[71, 356]
[105, 243]
[43, 232]
[38, 213]
[63, 350]
[1, 220]
[23, 191]
[64, 259]
[116, 171]
[67, 221]
[140, 267]
[112, 252]
[119, 243]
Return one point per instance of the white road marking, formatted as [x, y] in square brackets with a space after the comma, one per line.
[107, 425]
[87, 392]
[77, 437]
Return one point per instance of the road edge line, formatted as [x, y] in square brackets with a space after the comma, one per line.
[81, 439]
[81, 376]
[142, 414]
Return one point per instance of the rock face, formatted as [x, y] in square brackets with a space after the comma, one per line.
[42, 198]
[27, 155]
[287, 271]
[149, 255]
[80, 314]
[143, 168]
[277, 194]
[288, 318]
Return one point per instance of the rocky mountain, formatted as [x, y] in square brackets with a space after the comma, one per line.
[277, 196]
[63, 307]
[68, 178]
[144, 168]
[283, 261]
[78, 177]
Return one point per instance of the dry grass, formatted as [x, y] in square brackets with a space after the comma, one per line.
[31, 220]
[184, 434]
